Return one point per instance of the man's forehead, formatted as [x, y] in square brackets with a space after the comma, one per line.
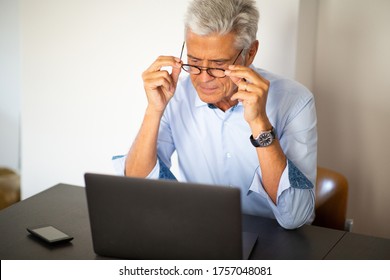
[210, 46]
[213, 38]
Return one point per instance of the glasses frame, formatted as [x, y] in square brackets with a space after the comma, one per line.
[207, 69]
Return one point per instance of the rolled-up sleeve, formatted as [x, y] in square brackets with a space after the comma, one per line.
[159, 171]
[296, 191]
[119, 163]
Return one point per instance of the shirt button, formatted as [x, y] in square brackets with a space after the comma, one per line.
[228, 155]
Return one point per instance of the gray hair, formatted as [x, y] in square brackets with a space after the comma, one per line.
[205, 17]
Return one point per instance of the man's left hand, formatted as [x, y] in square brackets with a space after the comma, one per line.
[252, 92]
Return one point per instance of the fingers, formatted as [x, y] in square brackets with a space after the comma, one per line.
[247, 80]
[164, 61]
[175, 75]
[247, 92]
[159, 79]
[252, 91]
[157, 76]
[238, 73]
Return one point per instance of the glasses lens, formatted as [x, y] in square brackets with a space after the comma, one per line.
[191, 69]
[215, 72]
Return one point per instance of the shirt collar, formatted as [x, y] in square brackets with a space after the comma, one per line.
[199, 103]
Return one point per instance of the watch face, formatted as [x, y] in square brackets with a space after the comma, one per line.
[265, 139]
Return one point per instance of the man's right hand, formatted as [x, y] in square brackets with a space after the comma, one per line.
[159, 84]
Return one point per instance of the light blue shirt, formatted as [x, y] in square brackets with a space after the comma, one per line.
[213, 147]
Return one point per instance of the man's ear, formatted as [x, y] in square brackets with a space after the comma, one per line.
[251, 54]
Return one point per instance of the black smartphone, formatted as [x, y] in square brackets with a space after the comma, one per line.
[49, 234]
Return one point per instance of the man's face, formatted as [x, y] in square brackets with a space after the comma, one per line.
[214, 51]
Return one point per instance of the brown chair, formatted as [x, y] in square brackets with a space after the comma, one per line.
[331, 200]
[9, 187]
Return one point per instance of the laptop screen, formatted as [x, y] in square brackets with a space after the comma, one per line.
[136, 218]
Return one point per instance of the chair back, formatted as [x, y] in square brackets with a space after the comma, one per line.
[331, 199]
[9, 187]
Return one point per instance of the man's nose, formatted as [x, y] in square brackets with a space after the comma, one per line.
[204, 76]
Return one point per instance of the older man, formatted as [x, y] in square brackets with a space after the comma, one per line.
[230, 123]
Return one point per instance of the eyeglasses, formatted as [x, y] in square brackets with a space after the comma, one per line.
[196, 70]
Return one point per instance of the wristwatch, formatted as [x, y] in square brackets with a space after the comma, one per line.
[264, 139]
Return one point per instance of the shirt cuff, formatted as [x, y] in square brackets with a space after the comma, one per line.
[159, 171]
[118, 163]
[154, 174]
[257, 184]
[291, 177]
[293, 189]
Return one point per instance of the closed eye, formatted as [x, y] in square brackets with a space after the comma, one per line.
[219, 63]
[193, 61]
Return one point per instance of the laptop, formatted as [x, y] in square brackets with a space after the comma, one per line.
[136, 218]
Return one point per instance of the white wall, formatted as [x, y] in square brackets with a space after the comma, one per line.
[278, 30]
[82, 61]
[82, 90]
[9, 84]
[352, 89]
[306, 43]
